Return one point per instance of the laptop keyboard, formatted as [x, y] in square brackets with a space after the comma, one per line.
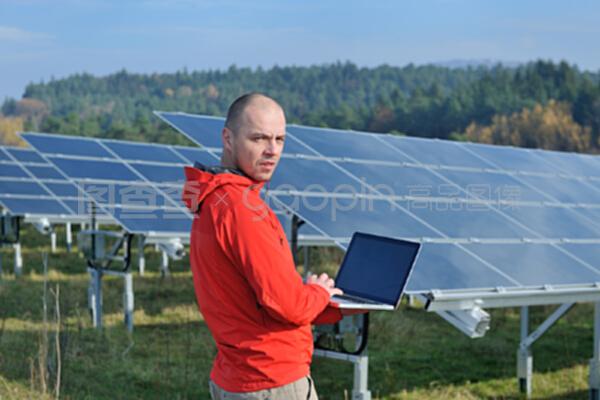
[354, 299]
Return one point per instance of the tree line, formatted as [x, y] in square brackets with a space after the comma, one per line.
[550, 105]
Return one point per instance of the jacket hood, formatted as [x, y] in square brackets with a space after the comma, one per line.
[201, 181]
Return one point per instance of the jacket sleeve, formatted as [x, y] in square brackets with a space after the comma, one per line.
[330, 315]
[260, 249]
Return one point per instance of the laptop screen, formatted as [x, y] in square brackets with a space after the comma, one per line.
[376, 267]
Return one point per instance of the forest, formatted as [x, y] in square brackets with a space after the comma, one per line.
[541, 104]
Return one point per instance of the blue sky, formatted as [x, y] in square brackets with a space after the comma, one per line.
[44, 38]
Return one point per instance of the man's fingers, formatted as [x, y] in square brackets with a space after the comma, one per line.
[330, 282]
[324, 277]
[336, 291]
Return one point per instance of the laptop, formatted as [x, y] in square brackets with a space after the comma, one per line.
[374, 272]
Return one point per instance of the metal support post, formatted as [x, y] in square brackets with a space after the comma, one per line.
[95, 297]
[18, 259]
[595, 362]
[412, 301]
[69, 236]
[53, 241]
[361, 391]
[524, 357]
[141, 257]
[128, 301]
[0, 261]
[164, 268]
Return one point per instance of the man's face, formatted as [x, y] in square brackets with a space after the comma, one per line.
[256, 146]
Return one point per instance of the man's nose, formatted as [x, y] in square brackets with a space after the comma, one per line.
[271, 147]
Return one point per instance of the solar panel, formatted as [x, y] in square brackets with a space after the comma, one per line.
[153, 221]
[433, 152]
[337, 217]
[198, 127]
[402, 180]
[466, 221]
[94, 169]
[67, 145]
[332, 143]
[45, 172]
[508, 158]
[299, 174]
[144, 152]
[563, 189]
[16, 187]
[31, 187]
[160, 173]
[571, 163]
[41, 206]
[25, 155]
[554, 222]
[123, 179]
[194, 154]
[586, 253]
[493, 185]
[549, 261]
[484, 213]
[12, 171]
[450, 267]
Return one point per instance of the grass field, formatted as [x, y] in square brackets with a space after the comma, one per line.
[413, 354]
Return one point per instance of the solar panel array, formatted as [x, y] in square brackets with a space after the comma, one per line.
[489, 216]
[138, 184]
[30, 186]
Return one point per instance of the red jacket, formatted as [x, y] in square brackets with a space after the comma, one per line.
[251, 296]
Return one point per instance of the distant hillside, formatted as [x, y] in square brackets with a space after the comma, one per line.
[429, 101]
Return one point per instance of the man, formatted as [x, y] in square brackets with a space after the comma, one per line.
[253, 300]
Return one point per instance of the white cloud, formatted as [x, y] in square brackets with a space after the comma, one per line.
[12, 34]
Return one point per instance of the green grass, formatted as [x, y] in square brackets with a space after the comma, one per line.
[412, 354]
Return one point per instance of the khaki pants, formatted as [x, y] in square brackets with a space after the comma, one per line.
[302, 389]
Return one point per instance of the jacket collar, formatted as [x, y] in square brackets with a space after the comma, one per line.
[202, 180]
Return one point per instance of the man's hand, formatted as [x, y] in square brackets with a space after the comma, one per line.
[325, 282]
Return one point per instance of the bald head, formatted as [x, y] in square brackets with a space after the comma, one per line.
[237, 113]
[253, 136]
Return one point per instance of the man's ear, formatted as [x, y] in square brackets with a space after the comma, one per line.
[227, 137]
